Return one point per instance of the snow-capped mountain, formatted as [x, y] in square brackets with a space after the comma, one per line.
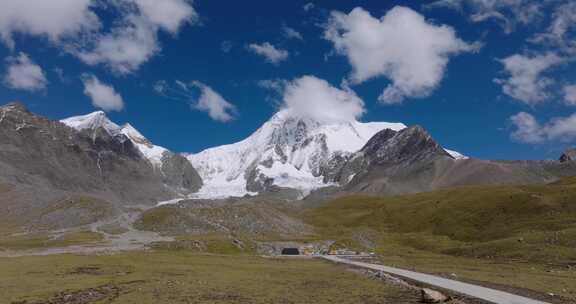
[98, 119]
[287, 151]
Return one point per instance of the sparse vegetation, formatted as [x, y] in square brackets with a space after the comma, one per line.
[172, 277]
[38, 241]
[519, 236]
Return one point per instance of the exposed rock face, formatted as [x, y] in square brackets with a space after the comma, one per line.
[45, 162]
[411, 161]
[178, 172]
[433, 296]
[568, 156]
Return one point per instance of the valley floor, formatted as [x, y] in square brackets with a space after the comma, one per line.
[176, 277]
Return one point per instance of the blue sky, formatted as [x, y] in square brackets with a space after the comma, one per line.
[466, 110]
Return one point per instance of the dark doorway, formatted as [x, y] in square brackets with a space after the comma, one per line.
[290, 251]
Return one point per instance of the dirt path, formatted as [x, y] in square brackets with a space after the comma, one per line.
[130, 239]
[479, 292]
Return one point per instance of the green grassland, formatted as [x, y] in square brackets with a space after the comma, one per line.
[523, 236]
[179, 277]
[39, 241]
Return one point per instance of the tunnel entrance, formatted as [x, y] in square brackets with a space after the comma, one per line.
[290, 251]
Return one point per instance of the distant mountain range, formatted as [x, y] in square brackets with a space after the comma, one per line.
[55, 174]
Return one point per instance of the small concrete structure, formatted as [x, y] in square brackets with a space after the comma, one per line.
[290, 248]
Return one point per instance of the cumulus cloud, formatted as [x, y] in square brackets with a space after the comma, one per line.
[135, 40]
[529, 130]
[168, 14]
[125, 49]
[269, 52]
[312, 97]
[23, 74]
[526, 82]
[291, 33]
[54, 19]
[402, 46]
[570, 94]
[102, 95]
[130, 41]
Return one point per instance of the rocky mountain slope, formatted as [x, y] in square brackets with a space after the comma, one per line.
[411, 161]
[53, 175]
[176, 171]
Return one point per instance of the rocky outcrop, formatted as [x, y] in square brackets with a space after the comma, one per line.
[178, 172]
[432, 296]
[568, 156]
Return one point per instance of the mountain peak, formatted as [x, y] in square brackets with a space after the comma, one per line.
[92, 121]
[15, 105]
[288, 151]
[409, 144]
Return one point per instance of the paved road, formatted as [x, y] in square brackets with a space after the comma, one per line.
[483, 293]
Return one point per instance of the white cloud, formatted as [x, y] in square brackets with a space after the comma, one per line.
[452, 4]
[102, 95]
[269, 52]
[570, 94]
[135, 40]
[208, 101]
[125, 49]
[131, 40]
[55, 19]
[23, 74]
[506, 13]
[529, 130]
[168, 14]
[526, 82]
[401, 46]
[213, 103]
[315, 98]
[275, 85]
[308, 6]
[559, 33]
[291, 33]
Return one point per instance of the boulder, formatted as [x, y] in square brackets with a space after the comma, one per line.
[433, 296]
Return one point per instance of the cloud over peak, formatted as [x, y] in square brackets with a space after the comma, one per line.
[315, 98]
[415, 63]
